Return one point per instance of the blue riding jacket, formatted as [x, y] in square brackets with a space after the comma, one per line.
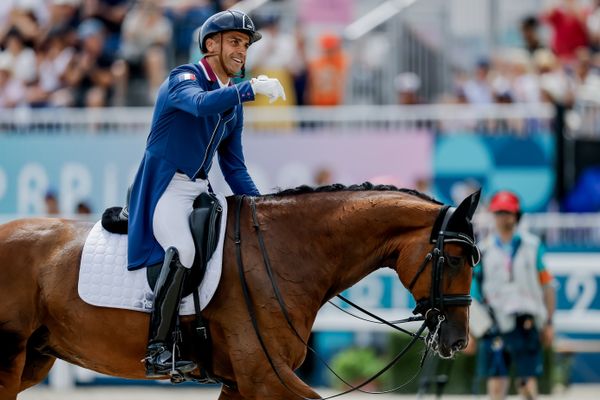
[193, 119]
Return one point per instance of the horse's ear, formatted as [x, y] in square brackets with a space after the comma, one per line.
[467, 207]
[473, 203]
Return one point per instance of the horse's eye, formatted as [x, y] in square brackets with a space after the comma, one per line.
[454, 261]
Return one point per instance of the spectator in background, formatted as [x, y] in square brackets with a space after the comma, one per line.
[51, 202]
[54, 57]
[147, 33]
[582, 68]
[186, 16]
[512, 285]
[24, 16]
[323, 176]
[112, 14]
[274, 55]
[524, 82]
[477, 89]
[327, 73]
[586, 76]
[407, 86]
[83, 208]
[299, 68]
[554, 83]
[23, 57]
[530, 33]
[64, 14]
[423, 185]
[12, 91]
[568, 20]
[593, 27]
[91, 74]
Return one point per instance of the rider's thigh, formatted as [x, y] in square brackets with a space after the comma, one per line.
[170, 222]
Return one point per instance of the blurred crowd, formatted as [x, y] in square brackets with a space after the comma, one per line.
[96, 53]
[91, 53]
[556, 67]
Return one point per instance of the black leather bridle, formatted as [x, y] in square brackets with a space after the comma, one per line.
[437, 301]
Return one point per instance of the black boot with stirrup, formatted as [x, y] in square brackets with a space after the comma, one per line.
[160, 352]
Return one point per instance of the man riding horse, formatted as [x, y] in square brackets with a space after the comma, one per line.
[198, 113]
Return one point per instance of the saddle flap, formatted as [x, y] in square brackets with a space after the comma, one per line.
[205, 223]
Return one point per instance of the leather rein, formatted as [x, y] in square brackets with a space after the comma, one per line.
[436, 302]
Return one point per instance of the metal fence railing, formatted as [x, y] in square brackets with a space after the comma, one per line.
[516, 118]
[584, 120]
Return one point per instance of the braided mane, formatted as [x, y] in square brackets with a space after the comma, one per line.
[366, 186]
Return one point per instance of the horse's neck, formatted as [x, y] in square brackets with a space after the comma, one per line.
[328, 243]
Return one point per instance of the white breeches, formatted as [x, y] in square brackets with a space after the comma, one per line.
[170, 221]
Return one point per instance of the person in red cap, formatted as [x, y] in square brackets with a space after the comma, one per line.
[516, 291]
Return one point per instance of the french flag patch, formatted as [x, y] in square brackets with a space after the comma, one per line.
[185, 77]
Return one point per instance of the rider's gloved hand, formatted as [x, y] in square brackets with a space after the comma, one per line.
[270, 87]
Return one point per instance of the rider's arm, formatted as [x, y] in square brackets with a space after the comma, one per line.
[233, 166]
[186, 94]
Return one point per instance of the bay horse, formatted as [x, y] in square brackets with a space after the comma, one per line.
[320, 242]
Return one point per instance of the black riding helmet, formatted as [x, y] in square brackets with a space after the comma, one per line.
[230, 20]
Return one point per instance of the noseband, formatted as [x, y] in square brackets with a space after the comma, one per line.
[437, 301]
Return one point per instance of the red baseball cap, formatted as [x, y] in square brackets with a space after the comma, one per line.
[505, 201]
[330, 41]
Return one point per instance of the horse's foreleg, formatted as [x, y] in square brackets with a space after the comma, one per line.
[270, 387]
[37, 361]
[230, 394]
[294, 387]
[12, 361]
[37, 366]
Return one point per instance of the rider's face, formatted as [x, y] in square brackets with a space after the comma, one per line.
[234, 47]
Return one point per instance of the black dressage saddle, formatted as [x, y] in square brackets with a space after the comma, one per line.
[205, 224]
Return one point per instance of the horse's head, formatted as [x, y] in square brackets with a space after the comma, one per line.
[440, 274]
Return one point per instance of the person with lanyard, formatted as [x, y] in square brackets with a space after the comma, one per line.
[513, 286]
[198, 114]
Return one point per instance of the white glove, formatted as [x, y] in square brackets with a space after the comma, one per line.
[270, 87]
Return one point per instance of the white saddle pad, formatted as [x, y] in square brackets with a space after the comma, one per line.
[104, 280]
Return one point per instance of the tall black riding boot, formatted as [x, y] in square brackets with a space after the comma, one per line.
[159, 357]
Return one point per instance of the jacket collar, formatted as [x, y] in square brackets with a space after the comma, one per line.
[208, 71]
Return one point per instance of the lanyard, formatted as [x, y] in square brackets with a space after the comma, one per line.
[510, 255]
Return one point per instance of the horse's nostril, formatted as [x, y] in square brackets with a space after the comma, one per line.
[459, 344]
